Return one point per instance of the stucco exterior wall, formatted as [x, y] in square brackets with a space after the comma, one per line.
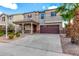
[34, 17]
[18, 17]
[48, 18]
[27, 27]
[48, 12]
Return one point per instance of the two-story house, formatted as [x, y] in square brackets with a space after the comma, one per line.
[3, 18]
[47, 21]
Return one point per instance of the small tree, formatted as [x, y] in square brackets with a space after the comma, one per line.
[11, 28]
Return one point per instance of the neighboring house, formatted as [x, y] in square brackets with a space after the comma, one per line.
[47, 21]
[3, 17]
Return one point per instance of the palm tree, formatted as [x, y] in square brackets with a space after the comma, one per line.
[66, 10]
[71, 11]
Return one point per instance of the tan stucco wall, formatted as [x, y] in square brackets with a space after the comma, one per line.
[34, 17]
[48, 18]
[27, 27]
[53, 19]
[18, 17]
[48, 12]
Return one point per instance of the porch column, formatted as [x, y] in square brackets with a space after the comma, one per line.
[31, 28]
[39, 28]
[22, 28]
[6, 22]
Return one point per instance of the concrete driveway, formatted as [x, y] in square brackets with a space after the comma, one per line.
[37, 45]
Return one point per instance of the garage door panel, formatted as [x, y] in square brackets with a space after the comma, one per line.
[49, 29]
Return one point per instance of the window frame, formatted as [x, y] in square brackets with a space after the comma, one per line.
[10, 17]
[53, 13]
[3, 18]
[29, 15]
[42, 15]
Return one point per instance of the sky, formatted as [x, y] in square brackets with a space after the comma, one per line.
[15, 8]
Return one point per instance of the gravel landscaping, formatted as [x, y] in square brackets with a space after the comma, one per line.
[68, 47]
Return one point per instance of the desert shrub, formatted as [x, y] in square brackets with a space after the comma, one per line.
[17, 34]
[11, 35]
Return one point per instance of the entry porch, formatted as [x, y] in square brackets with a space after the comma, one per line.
[28, 26]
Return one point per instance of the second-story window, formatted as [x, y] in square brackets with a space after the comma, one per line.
[0, 18]
[53, 13]
[42, 16]
[10, 17]
[29, 16]
[3, 18]
[24, 16]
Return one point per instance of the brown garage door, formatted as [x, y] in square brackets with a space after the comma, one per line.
[49, 29]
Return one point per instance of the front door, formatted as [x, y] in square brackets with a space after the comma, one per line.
[34, 28]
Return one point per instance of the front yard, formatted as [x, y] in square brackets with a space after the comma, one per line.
[10, 32]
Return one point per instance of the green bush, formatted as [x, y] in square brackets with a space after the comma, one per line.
[1, 33]
[17, 34]
[10, 33]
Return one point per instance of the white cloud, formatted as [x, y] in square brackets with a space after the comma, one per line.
[52, 7]
[1, 12]
[9, 5]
